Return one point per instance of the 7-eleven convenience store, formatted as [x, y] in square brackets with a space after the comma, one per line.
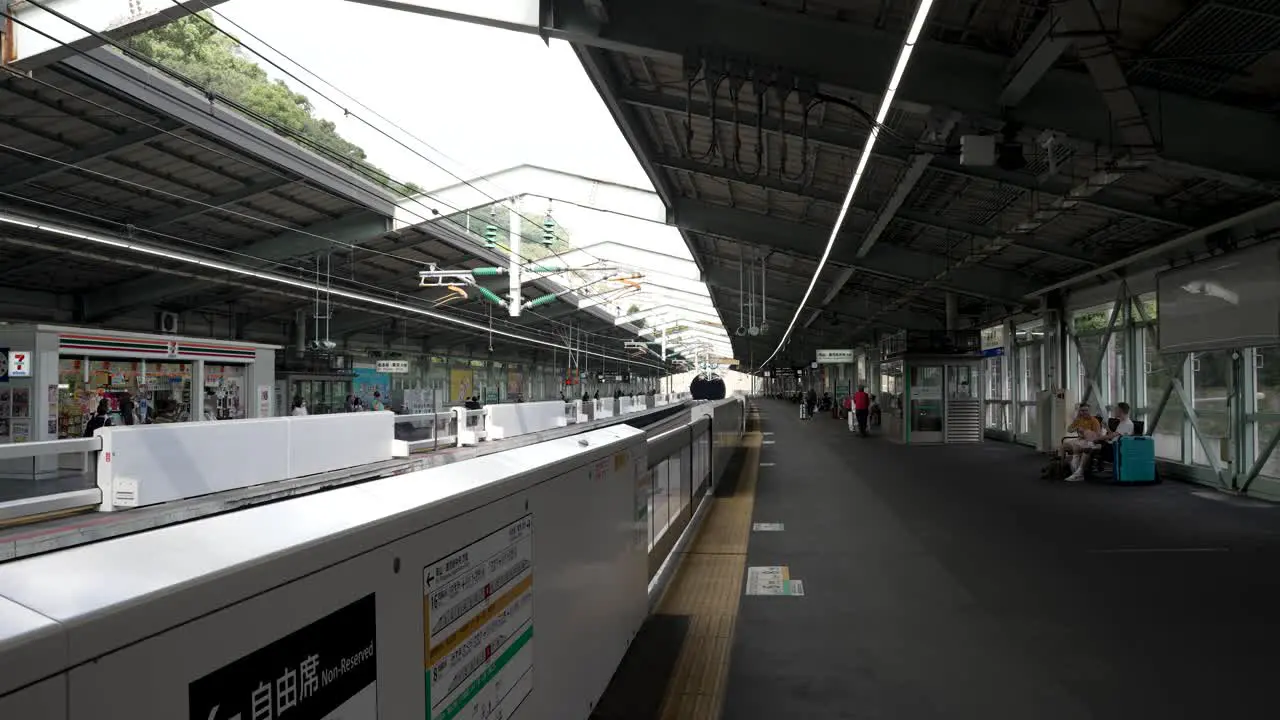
[56, 376]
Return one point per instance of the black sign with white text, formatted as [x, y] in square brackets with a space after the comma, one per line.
[326, 670]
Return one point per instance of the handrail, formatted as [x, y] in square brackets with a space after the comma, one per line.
[46, 448]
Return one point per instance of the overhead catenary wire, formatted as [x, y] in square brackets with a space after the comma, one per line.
[395, 185]
[195, 143]
[297, 269]
[171, 133]
[392, 184]
[129, 229]
[297, 283]
[193, 13]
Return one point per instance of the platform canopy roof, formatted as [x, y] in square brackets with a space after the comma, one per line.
[123, 192]
[1131, 133]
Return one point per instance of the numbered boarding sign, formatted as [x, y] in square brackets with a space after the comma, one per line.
[328, 670]
[478, 606]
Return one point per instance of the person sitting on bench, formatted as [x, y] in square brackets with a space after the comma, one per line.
[1088, 432]
[1120, 424]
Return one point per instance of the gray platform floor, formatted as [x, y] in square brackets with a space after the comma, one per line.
[950, 582]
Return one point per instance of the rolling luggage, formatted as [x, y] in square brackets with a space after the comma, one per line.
[1135, 459]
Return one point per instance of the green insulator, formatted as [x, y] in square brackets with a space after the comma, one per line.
[543, 269]
[490, 236]
[486, 272]
[544, 300]
[490, 295]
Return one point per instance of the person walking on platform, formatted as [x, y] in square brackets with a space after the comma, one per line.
[861, 408]
[810, 403]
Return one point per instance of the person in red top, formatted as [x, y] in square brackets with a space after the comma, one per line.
[861, 407]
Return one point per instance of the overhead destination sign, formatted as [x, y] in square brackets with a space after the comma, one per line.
[519, 15]
[326, 670]
[835, 357]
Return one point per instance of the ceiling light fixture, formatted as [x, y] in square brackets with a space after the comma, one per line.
[899, 70]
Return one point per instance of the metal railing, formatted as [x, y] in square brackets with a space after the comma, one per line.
[47, 477]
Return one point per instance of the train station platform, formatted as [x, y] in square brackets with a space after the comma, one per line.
[950, 582]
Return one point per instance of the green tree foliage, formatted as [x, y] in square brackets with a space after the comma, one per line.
[198, 52]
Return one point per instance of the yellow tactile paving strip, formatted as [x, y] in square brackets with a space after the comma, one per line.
[706, 589]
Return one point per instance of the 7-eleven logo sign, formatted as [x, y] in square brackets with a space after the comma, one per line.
[19, 363]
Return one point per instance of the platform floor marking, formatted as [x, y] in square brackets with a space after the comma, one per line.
[767, 464]
[773, 580]
[770, 442]
[706, 588]
[768, 527]
[767, 434]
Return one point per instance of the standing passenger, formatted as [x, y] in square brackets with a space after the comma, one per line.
[861, 409]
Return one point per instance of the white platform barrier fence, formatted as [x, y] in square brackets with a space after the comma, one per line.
[328, 603]
[149, 464]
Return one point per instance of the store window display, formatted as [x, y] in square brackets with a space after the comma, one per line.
[145, 391]
[224, 392]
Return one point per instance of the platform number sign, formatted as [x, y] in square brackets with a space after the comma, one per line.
[326, 670]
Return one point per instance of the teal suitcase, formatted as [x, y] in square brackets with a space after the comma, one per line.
[1135, 460]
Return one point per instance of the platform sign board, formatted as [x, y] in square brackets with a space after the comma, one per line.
[767, 527]
[478, 606]
[325, 671]
[392, 367]
[835, 357]
[510, 14]
[773, 580]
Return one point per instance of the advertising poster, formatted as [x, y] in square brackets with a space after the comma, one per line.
[478, 606]
[328, 670]
[462, 385]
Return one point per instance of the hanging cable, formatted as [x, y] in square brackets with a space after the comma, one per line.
[321, 150]
[346, 113]
[713, 93]
[395, 186]
[904, 58]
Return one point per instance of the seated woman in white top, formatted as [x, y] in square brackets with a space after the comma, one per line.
[299, 408]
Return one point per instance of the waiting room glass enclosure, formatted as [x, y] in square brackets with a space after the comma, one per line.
[931, 397]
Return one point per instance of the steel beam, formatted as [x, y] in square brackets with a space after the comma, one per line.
[1244, 142]
[1038, 53]
[190, 210]
[36, 171]
[907, 182]
[851, 143]
[263, 254]
[726, 282]
[808, 241]
[904, 215]
[119, 76]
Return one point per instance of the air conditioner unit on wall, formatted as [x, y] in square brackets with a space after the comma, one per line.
[167, 322]
[1054, 411]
